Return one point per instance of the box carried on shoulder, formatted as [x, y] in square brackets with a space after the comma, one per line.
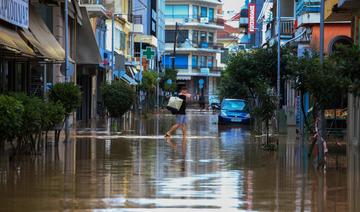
[174, 104]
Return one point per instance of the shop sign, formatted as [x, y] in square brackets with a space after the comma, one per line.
[15, 12]
[252, 17]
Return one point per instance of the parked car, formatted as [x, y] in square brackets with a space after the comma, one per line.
[214, 102]
[234, 111]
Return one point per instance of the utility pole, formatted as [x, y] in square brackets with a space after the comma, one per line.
[67, 78]
[175, 44]
[320, 112]
[278, 10]
[113, 44]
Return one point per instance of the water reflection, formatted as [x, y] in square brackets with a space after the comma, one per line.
[218, 169]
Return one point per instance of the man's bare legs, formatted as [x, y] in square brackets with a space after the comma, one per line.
[175, 127]
[183, 128]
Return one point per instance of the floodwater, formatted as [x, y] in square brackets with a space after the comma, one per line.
[213, 169]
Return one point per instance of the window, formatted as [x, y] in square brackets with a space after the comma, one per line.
[210, 62]
[117, 38]
[177, 11]
[181, 61]
[195, 37]
[233, 105]
[168, 61]
[211, 14]
[195, 61]
[203, 11]
[122, 40]
[169, 10]
[202, 36]
[196, 12]
[202, 61]
[211, 38]
[170, 36]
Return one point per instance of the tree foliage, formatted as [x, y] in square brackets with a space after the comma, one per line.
[11, 112]
[68, 94]
[253, 76]
[149, 81]
[118, 97]
[170, 74]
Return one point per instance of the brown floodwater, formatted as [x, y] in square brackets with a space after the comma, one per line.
[213, 169]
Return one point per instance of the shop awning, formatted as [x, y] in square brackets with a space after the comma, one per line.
[11, 40]
[146, 39]
[88, 52]
[78, 12]
[128, 79]
[42, 39]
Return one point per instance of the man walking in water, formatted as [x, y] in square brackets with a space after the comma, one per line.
[181, 114]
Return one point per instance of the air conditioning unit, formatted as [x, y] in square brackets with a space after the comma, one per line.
[204, 20]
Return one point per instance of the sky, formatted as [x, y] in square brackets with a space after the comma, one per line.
[231, 7]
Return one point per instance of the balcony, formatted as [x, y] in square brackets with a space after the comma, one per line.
[334, 13]
[308, 12]
[351, 5]
[196, 70]
[215, 23]
[287, 27]
[187, 47]
[211, 2]
[137, 24]
[95, 8]
[307, 6]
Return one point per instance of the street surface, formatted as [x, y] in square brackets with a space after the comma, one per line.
[213, 169]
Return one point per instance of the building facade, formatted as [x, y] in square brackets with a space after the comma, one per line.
[192, 27]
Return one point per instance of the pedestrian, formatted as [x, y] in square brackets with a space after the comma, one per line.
[202, 102]
[181, 114]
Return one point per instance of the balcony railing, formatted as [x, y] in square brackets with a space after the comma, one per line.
[286, 27]
[197, 45]
[307, 6]
[196, 19]
[137, 19]
[195, 68]
[92, 1]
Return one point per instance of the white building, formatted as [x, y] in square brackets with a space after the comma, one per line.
[195, 59]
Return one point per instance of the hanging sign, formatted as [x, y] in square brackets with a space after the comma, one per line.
[15, 12]
[252, 17]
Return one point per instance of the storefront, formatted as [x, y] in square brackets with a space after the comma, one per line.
[88, 64]
[25, 51]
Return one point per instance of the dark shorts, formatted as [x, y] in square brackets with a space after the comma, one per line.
[180, 119]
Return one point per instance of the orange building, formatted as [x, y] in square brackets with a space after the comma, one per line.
[335, 33]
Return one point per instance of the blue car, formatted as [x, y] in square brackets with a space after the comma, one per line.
[234, 111]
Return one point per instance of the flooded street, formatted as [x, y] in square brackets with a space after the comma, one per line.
[213, 169]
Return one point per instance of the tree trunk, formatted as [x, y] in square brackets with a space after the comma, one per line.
[267, 132]
[321, 137]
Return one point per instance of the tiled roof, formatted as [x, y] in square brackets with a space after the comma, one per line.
[228, 32]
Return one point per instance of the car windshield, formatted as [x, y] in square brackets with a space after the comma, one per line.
[233, 105]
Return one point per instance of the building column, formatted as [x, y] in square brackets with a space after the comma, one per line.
[58, 31]
[190, 63]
